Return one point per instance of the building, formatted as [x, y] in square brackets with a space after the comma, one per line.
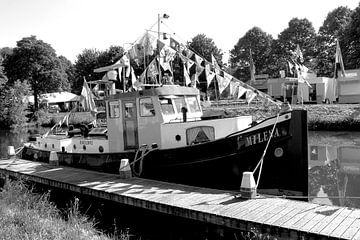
[349, 86]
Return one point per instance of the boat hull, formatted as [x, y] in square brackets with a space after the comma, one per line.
[217, 164]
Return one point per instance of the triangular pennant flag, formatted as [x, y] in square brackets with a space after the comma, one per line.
[186, 76]
[198, 59]
[174, 44]
[209, 74]
[167, 54]
[241, 91]
[299, 54]
[250, 95]
[222, 82]
[233, 87]
[153, 69]
[147, 42]
[339, 60]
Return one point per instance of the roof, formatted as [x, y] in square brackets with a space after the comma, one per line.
[57, 97]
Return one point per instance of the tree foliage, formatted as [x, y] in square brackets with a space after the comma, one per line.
[260, 44]
[299, 32]
[333, 28]
[12, 106]
[350, 42]
[91, 59]
[205, 46]
[36, 62]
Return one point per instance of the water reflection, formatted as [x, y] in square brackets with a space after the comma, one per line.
[334, 168]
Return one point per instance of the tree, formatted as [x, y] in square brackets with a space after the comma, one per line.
[91, 59]
[36, 62]
[85, 64]
[260, 44]
[350, 42]
[333, 28]
[110, 56]
[69, 69]
[299, 32]
[12, 108]
[204, 47]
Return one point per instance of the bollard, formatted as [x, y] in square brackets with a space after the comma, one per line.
[11, 152]
[53, 159]
[248, 185]
[125, 170]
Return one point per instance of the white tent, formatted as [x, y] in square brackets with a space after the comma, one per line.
[52, 98]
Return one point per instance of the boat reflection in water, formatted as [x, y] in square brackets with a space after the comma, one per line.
[334, 175]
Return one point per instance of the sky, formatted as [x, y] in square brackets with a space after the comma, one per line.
[70, 26]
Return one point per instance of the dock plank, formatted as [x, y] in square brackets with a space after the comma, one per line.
[219, 207]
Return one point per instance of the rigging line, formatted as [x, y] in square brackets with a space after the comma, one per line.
[266, 148]
[242, 83]
[133, 43]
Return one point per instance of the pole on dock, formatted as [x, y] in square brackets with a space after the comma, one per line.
[125, 170]
[11, 152]
[248, 185]
[53, 159]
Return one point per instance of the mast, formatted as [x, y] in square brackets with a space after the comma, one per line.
[158, 50]
[164, 16]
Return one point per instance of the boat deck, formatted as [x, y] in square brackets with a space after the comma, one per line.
[287, 218]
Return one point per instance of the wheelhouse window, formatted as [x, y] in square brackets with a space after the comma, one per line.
[146, 107]
[166, 106]
[193, 104]
[114, 109]
[179, 103]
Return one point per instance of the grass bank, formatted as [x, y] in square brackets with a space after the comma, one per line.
[328, 117]
[28, 215]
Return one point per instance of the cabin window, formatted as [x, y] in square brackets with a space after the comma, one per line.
[166, 105]
[146, 107]
[193, 104]
[179, 103]
[114, 109]
[200, 134]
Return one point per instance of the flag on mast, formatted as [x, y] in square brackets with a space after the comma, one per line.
[252, 68]
[87, 99]
[338, 60]
[299, 54]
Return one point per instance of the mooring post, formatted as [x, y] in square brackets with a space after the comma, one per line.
[125, 170]
[53, 159]
[248, 185]
[11, 152]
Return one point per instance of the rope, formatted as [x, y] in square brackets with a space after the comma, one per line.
[260, 163]
[144, 151]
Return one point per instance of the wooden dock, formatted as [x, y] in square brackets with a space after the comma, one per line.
[288, 218]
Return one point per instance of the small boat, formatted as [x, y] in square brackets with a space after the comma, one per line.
[163, 132]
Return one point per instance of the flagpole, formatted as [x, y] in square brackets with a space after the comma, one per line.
[158, 50]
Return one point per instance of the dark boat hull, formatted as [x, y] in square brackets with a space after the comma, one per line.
[217, 164]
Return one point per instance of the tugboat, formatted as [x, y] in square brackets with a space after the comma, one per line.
[163, 132]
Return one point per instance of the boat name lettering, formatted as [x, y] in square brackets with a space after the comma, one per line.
[86, 142]
[259, 138]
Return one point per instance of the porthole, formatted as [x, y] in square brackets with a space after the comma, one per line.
[101, 149]
[178, 137]
[84, 147]
[279, 152]
[53, 146]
